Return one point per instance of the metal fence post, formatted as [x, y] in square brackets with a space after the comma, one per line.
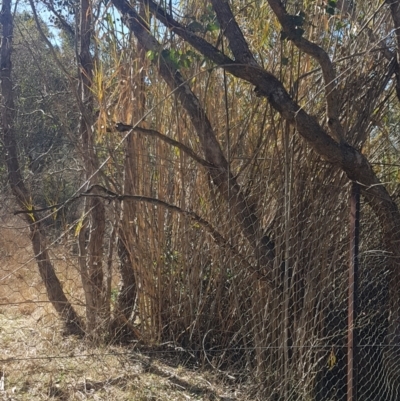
[352, 295]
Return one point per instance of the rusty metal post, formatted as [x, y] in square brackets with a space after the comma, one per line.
[352, 296]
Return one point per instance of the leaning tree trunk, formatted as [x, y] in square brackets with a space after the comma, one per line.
[53, 286]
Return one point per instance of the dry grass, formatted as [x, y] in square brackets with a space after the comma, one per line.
[38, 363]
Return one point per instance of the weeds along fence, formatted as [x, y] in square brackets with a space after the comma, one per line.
[203, 299]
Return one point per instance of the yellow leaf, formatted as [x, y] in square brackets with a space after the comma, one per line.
[29, 208]
[332, 359]
[79, 226]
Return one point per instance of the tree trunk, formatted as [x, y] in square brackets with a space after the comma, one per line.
[53, 286]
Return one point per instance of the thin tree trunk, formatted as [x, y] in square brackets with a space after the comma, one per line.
[52, 284]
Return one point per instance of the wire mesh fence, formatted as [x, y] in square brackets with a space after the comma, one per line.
[273, 329]
[206, 252]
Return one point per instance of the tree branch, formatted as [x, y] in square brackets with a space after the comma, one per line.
[267, 85]
[342, 155]
[331, 93]
[156, 134]
[230, 28]
[63, 22]
[99, 191]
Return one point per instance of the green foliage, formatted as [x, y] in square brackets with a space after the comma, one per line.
[177, 58]
[206, 22]
[114, 294]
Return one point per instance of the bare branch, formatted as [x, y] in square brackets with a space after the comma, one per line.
[99, 191]
[104, 193]
[63, 22]
[190, 152]
[231, 30]
[319, 54]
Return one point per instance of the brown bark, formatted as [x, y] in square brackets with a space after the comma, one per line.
[52, 284]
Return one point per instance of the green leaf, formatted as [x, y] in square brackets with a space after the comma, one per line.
[151, 55]
[339, 25]
[212, 26]
[110, 21]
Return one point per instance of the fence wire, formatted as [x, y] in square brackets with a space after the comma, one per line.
[202, 303]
